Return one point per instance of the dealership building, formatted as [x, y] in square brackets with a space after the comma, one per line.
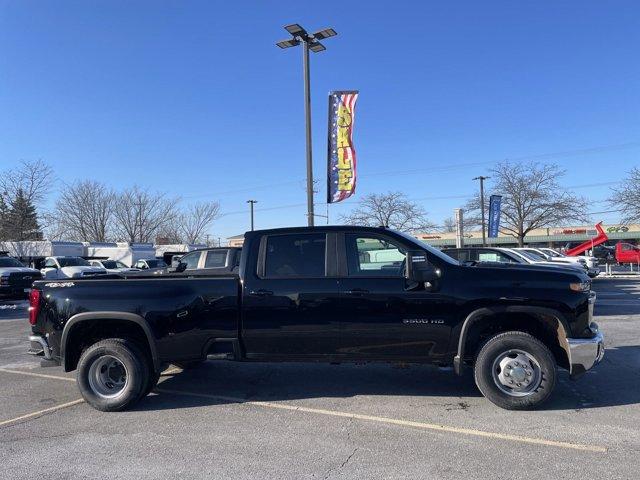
[554, 237]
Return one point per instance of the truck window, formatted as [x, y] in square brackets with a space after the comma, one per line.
[295, 255]
[374, 256]
[452, 253]
[191, 260]
[215, 259]
[50, 263]
[489, 257]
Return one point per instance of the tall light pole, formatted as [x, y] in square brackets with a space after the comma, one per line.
[251, 203]
[482, 179]
[309, 42]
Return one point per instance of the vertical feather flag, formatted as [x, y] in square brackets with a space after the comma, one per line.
[341, 164]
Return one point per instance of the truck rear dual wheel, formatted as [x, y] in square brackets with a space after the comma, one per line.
[113, 374]
[515, 371]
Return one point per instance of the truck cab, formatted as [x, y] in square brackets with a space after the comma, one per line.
[627, 253]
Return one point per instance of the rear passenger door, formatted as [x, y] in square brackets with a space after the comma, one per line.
[290, 304]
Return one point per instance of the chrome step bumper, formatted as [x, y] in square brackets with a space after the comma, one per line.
[585, 353]
[44, 347]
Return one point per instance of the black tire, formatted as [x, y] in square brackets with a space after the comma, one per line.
[123, 353]
[190, 365]
[542, 367]
[152, 381]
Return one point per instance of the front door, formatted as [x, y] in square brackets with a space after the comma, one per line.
[290, 305]
[384, 316]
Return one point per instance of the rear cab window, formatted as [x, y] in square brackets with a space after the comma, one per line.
[295, 255]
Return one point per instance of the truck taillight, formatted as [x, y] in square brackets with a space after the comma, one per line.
[34, 305]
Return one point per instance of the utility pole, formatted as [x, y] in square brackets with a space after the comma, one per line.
[309, 42]
[251, 203]
[484, 234]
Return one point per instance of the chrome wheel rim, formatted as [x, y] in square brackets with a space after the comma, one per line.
[517, 373]
[108, 377]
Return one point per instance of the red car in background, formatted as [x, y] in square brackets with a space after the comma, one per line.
[627, 253]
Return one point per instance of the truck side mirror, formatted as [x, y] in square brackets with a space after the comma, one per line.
[418, 268]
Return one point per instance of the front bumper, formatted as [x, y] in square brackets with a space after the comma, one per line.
[585, 353]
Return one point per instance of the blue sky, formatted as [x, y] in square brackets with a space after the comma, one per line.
[193, 98]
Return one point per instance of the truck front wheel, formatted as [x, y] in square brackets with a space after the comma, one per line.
[112, 374]
[515, 371]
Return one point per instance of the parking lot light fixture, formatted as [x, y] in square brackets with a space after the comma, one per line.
[309, 42]
[251, 204]
[484, 235]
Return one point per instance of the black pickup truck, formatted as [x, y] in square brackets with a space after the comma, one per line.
[324, 294]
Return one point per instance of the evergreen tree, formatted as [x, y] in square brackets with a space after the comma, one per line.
[4, 213]
[21, 220]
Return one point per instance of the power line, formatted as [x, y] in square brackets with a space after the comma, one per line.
[451, 167]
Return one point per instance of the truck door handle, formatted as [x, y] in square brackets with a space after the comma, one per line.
[261, 293]
[357, 291]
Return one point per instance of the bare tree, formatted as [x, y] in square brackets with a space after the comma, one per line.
[449, 225]
[52, 227]
[531, 198]
[391, 209]
[32, 177]
[139, 215]
[85, 211]
[626, 197]
[196, 219]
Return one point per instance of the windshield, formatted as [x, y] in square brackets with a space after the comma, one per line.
[552, 253]
[156, 263]
[110, 264]
[520, 254]
[531, 256]
[120, 265]
[434, 251]
[73, 262]
[9, 262]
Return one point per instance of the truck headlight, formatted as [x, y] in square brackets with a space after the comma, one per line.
[580, 286]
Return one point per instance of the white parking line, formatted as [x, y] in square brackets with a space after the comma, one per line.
[41, 375]
[41, 412]
[404, 423]
[334, 413]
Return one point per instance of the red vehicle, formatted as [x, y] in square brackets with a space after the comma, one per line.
[627, 253]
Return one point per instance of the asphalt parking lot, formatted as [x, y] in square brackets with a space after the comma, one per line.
[234, 420]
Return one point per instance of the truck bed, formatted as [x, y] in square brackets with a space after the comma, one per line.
[182, 312]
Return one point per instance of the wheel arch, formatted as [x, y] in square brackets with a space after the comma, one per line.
[127, 323]
[548, 325]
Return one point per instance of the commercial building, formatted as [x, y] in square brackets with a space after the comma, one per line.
[554, 237]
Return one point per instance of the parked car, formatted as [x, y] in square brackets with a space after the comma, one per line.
[15, 278]
[538, 259]
[627, 253]
[150, 264]
[502, 255]
[113, 266]
[56, 268]
[591, 263]
[212, 260]
[326, 294]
